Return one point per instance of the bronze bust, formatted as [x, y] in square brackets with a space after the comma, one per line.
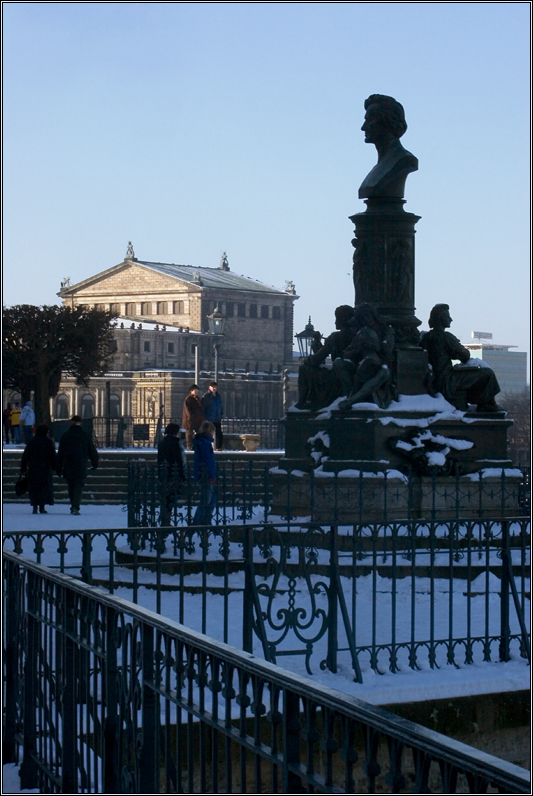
[383, 126]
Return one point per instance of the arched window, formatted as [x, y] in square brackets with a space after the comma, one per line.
[179, 308]
[115, 308]
[264, 310]
[253, 310]
[276, 313]
[115, 405]
[87, 406]
[161, 307]
[146, 308]
[62, 406]
[130, 308]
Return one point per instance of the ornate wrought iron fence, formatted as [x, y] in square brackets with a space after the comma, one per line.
[246, 491]
[371, 597]
[119, 700]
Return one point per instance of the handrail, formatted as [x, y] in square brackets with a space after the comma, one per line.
[297, 690]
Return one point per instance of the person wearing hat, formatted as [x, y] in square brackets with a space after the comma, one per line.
[171, 471]
[212, 404]
[193, 415]
[75, 448]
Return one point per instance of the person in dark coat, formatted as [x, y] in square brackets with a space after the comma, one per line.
[171, 470]
[212, 403]
[6, 420]
[75, 447]
[193, 415]
[205, 473]
[39, 463]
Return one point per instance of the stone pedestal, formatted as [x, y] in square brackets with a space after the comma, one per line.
[330, 498]
[371, 465]
[376, 440]
[384, 264]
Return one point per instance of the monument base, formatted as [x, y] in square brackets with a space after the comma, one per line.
[419, 458]
[360, 498]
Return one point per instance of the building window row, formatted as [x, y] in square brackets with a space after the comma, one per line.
[87, 406]
[233, 309]
[146, 308]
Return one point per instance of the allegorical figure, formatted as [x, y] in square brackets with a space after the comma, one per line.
[376, 348]
[372, 376]
[318, 385]
[459, 385]
[384, 125]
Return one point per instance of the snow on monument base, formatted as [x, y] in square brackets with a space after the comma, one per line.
[419, 458]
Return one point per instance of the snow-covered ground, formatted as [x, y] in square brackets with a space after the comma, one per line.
[404, 686]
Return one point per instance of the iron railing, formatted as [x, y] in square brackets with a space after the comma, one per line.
[105, 696]
[144, 431]
[255, 490]
[372, 597]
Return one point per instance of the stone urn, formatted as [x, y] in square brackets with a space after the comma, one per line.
[250, 441]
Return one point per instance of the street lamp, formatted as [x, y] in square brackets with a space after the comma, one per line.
[305, 340]
[217, 323]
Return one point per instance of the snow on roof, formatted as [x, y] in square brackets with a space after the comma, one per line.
[210, 277]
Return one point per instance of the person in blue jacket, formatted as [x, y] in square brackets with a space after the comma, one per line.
[205, 473]
[212, 404]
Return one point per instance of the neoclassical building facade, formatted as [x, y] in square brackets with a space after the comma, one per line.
[163, 343]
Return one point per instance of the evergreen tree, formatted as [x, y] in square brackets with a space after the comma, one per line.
[40, 344]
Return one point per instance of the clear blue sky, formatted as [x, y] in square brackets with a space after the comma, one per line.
[197, 128]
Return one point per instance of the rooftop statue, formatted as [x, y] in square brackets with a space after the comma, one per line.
[384, 125]
[460, 384]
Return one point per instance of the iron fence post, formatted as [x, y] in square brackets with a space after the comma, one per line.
[333, 599]
[148, 769]
[12, 686]
[247, 597]
[28, 770]
[505, 631]
[291, 782]
[68, 698]
[86, 569]
[112, 751]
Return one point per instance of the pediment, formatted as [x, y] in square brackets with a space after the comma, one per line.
[126, 279]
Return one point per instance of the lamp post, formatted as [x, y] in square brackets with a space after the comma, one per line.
[305, 340]
[217, 324]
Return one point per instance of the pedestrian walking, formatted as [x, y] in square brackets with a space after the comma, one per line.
[26, 422]
[212, 404]
[39, 463]
[6, 422]
[193, 415]
[171, 470]
[75, 447]
[205, 473]
[15, 428]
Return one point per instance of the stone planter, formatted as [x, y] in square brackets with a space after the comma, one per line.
[250, 441]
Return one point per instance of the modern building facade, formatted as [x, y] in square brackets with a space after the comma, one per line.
[510, 367]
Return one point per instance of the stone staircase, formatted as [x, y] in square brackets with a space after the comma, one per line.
[109, 483]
